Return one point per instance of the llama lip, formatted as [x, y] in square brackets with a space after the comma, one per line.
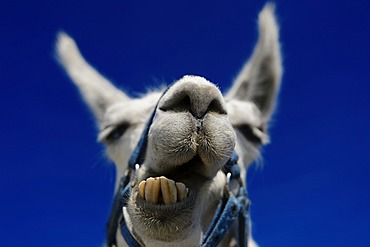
[161, 190]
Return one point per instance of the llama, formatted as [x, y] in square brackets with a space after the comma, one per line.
[195, 129]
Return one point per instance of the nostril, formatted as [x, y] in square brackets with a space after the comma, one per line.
[177, 104]
[186, 104]
[216, 106]
[195, 97]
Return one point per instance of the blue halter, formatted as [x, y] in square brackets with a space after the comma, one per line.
[231, 207]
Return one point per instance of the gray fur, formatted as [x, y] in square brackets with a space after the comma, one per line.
[193, 133]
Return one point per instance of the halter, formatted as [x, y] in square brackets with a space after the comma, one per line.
[232, 208]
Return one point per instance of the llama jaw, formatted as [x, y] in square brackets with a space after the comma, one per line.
[161, 190]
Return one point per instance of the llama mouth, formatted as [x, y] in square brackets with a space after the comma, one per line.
[177, 187]
[161, 190]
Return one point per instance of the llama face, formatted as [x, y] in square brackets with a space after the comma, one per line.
[189, 141]
[194, 131]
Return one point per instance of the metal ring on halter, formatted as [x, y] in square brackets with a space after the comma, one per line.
[228, 178]
[137, 166]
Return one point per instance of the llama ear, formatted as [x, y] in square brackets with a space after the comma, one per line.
[96, 90]
[259, 79]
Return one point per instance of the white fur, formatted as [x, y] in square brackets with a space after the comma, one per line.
[192, 120]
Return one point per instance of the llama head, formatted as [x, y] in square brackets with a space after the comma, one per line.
[194, 131]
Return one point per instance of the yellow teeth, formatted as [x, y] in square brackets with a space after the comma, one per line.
[142, 189]
[152, 190]
[162, 190]
[182, 191]
[169, 192]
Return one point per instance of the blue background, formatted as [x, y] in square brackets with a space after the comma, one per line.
[55, 182]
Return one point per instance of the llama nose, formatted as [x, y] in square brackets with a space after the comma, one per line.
[195, 95]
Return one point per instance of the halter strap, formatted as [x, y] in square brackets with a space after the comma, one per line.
[137, 156]
[230, 207]
[123, 193]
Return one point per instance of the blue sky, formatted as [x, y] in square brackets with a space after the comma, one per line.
[55, 182]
